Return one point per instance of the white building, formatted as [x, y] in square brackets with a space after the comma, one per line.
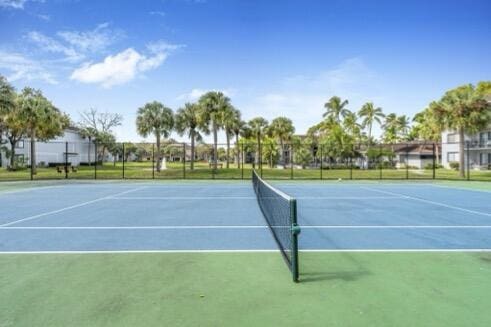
[54, 152]
[477, 151]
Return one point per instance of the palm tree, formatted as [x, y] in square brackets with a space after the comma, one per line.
[213, 104]
[238, 127]
[391, 128]
[404, 125]
[7, 103]
[258, 127]
[429, 128]
[42, 120]
[230, 116]
[154, 118]
[465, 110]
[336, 108]
[351, 126]
[369, 115]
[188, 121]
[282, 129]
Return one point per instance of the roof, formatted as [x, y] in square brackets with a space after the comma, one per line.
[418, 148]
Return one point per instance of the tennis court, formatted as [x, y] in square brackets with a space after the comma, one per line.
[201, 253]
[225, 216]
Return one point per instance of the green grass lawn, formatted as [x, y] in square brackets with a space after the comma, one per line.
[245, 289]
[144, 170]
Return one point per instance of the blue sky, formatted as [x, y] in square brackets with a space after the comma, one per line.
[271, 57]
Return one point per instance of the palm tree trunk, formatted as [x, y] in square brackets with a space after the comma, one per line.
[158, 151]
[238, 150]
[437, 154]
[215, 146]
[33, 152]
[228, 148]
[369, 142]
[192, 150]
[282, 149]
[461, 153]
[12, 154]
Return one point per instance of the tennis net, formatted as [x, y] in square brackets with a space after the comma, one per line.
[280, 212]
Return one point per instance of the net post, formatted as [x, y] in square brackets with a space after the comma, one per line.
[295, 230]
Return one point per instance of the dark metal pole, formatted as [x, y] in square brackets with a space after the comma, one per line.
[291, 161]
[468, 162]
[260, 157]
[124, 155]
[66, 160]
[32, 162]
[320, 148]
[242, 168]
[95, 160]
[407, 161]
[434, 161]
[153, 160]
[184, 160]
[380, 161]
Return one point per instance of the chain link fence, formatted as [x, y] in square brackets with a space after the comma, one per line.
[92, 160]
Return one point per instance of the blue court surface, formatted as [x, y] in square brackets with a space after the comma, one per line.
[224, 216]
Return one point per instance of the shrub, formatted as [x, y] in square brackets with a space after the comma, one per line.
[454, 165]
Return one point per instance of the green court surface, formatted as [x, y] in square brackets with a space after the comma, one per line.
[245, 289]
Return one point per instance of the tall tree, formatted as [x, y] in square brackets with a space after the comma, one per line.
[188, 120]
[465, 110]
[404, 126]
[237, 128]
[258, 127]
[429, 128]
[96, 125]
[351, 126]
[336, 108]
[7, 105]
[282, 130]
[370, 115]
[391, 128]
[230, 116]
[157, 119]
[213, 104]
[42, 120]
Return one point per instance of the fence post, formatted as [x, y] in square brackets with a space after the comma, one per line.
[407, 161]
[380, 161]
[242, 167]
[153, 160]
[468, 161]
[434, 161]
[351, 163]
[260, 154]
[95, 160]
[32, 162]
[320, 148]
[66, 160]
[291, 161]
[184, 160]
[124, 156]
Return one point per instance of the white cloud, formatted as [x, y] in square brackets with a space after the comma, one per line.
[157, 13]
[46, 18]
[51, 45]
[122, 67]
[20, 67]
[91, 41]
[195, 94]
[14, 4]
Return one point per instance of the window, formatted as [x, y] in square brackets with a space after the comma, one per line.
[452, 138]
[20, 144]
[452, 156]
[481, 158]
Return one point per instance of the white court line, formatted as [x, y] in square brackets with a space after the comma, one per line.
[345, 197]
[244, 227]
[29, 189]
[182, 198]
[430, 202]
[67, 208]
[243, 251]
